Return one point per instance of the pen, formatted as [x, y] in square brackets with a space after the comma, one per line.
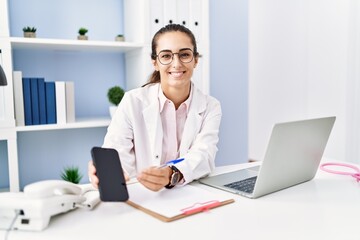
[172, 162]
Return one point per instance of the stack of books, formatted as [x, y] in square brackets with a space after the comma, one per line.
[42, 102]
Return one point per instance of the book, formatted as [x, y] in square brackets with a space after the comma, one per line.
[50, 102]
[27, 101]
[60, 94]
[18, 98]
[42, 100]
[34, 101]
[179, 202]
[70, 102]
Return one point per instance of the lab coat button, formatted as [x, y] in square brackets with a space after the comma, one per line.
[157, 156]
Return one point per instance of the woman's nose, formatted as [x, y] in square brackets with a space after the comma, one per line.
[176, 60]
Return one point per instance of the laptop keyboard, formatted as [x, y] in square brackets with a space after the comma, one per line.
[246, 185]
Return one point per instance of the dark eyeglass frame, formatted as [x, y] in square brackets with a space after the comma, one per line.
[172, 55]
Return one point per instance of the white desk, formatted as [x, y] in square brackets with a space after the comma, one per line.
[327, 207]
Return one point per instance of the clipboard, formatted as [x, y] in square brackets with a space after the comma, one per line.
[172, 204]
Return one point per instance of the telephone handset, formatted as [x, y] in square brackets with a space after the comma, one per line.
[51, 188]
[33, 208]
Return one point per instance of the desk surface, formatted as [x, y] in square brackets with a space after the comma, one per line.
[327, 207]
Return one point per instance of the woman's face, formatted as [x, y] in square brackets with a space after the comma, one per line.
[176, 74]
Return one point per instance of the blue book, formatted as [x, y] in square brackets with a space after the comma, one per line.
[42, 100]
[50, 102]
[35, 101]
[27, 101]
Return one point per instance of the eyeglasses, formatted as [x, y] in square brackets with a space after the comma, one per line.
[166, 56]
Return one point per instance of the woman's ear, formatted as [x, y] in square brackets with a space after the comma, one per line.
[156, 66]
[196, 61]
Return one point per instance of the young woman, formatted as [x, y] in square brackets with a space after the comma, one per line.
[168, 118]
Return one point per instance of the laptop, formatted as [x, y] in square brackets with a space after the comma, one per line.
[292, 157]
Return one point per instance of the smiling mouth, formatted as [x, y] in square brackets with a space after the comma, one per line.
[177, 74]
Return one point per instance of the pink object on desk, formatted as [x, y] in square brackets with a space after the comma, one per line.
[200, 207]
[355, 174]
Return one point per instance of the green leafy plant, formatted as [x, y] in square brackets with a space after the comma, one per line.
[71, 174]
[115, 94]
[29, 29]
[83, 31]
[120, 35]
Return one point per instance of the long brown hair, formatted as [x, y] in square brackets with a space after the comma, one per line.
[155, 76]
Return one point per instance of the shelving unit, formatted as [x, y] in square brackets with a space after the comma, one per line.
[138, 19]
[80, 123]
[72, 45]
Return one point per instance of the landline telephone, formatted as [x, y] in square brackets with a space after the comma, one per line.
[33, 208]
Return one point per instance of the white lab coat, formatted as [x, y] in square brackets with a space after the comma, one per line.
[136, 133]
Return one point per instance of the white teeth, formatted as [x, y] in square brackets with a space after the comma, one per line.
[176, 74]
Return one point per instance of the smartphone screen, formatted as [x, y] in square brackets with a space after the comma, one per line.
[112, 184]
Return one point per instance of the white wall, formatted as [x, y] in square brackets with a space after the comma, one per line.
[302, 65]
[353, 85]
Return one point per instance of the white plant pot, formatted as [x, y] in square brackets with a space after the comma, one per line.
[112, 110]
[82, 37]
[119, 39]
[30, 34]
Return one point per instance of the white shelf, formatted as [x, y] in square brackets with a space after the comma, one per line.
[72, 45]
[80, 123]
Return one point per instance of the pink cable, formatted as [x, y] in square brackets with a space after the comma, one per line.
[355, 174]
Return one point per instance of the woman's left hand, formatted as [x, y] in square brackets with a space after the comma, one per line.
[155, 178]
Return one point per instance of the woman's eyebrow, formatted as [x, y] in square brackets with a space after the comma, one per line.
[185, 49]
[168, 50]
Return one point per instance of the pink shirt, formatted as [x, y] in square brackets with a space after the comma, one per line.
[173, 122]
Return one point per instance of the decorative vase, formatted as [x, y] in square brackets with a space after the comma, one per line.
[112, 110]
[30, 34]
[82, 37]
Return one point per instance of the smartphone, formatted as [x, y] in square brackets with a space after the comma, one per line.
[112, 184]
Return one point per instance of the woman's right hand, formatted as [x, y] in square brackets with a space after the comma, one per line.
[94, 179]
[92, 174]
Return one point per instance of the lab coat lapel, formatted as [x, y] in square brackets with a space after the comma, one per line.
[153, 125]
[193, 121]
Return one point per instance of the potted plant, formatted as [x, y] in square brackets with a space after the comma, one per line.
[82, 31]
[120, 38]
[115, 94]
[71, 174]
[29, 32]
